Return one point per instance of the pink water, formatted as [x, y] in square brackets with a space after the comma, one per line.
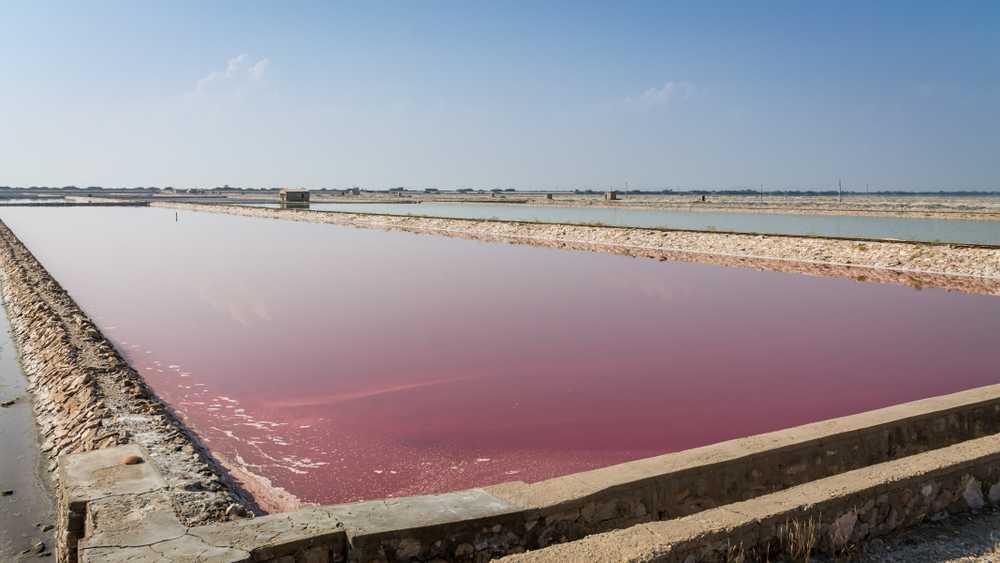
[346, 364]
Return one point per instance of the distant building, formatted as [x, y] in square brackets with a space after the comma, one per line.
[611, 195]
[431, 190]
[288, 195]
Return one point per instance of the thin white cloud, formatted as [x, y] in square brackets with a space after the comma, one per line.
[663, 95]
[234, 64]
[257, 70]
[207, 81]
[235, 73]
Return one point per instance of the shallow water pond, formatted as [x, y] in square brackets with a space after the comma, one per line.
[343, 364]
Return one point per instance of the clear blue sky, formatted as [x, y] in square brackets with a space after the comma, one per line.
[500, 94]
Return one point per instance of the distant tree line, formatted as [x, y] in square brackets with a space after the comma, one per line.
[581, 191]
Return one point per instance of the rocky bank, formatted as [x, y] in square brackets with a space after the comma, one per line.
[87, 397]
[967, 268]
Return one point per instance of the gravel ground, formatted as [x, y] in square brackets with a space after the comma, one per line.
[956, 539]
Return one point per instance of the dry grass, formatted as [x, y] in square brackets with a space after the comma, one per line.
[736, 554]
[799, 538]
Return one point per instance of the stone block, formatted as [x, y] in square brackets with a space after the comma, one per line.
[101, 473]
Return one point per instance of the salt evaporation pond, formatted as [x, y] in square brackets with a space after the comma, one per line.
[343, 364]
[904, 228]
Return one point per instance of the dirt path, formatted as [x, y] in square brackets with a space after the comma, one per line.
[957, 539]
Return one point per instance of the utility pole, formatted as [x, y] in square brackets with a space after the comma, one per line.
[840, 190]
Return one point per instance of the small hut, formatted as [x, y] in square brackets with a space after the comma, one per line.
[288, 195]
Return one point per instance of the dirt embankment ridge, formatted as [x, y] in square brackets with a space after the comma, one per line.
[981, 208]
[964, 268]
[87, 397]
[913, 207]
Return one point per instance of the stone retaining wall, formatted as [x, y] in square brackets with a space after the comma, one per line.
[918, 264]
[481, 524]
[683, 483]
[86, 397]
[833, 515]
